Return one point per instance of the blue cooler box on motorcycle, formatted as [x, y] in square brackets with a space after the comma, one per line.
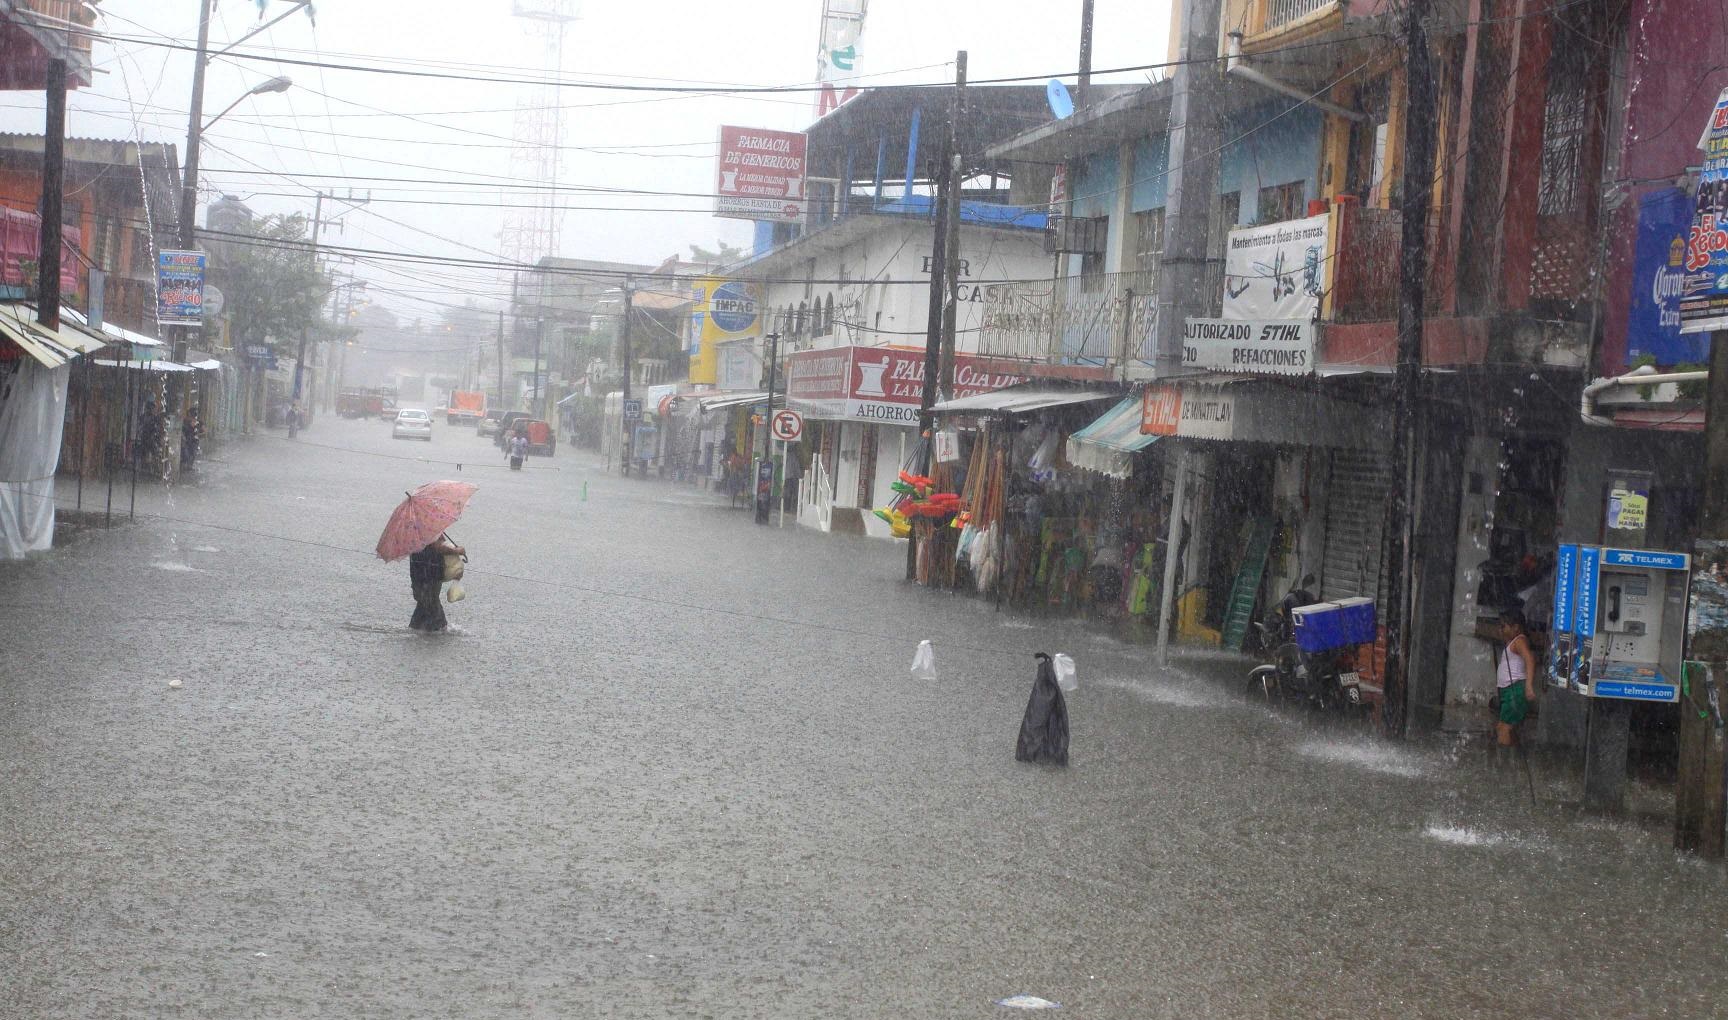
[1340, 624]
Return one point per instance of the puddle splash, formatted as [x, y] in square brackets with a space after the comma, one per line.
[1460, 836]
[185, 568]
[1027, 1002]
[1163, 693]
[1384, 760]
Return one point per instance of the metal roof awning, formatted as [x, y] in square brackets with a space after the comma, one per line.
[208, 365]
[1020, 400]
[1108, 444]
[720, 401]
[114, 331]
[46, 353]
[147, 366]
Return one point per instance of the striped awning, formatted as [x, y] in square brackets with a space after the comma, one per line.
[1109, 443]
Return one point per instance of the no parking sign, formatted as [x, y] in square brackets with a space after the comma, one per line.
[786, 426]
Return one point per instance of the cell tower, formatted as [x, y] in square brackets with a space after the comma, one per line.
[530, 233]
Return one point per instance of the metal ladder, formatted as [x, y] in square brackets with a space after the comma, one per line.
[1244, 593]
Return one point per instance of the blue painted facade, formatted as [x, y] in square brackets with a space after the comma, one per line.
[1277, 142]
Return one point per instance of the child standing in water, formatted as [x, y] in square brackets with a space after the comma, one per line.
[1516, 682]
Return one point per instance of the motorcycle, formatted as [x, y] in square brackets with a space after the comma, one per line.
[1324, 677]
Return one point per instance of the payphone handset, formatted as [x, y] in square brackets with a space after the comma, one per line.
[1631, 604]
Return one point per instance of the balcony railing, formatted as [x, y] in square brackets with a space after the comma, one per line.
[1275, 15]
[1101, 320]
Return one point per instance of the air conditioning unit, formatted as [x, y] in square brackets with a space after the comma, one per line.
[1076, 235]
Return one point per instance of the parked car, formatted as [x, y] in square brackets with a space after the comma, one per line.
[488, 426]
[412, 423]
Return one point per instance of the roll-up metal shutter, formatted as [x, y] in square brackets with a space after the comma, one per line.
[1358, 489]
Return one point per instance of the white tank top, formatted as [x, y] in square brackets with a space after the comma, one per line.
[1511, 669]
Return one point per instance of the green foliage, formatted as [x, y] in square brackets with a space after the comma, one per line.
[722, 253]
[273, 286]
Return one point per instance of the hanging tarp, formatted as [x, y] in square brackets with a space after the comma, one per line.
[32, 413]
[1108, 444]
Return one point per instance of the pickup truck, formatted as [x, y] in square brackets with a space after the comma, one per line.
[467, 407]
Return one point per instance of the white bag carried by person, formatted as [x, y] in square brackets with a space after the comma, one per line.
[924, 662]
[454, 593]
[1067, 677]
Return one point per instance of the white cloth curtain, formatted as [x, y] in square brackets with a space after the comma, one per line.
[32, 414]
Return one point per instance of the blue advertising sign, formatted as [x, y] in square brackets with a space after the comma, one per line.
[180, 288]
[1658, 279]
[1584, 616]
[1560, 655]
[1633, 691]
[1642, 558]
[1704, 295]
[1565, 570]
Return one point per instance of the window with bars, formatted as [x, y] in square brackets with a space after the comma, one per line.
[1148, 240]
[1282, 202]
[1565, 131]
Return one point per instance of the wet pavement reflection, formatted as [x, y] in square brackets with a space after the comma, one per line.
[669, 763]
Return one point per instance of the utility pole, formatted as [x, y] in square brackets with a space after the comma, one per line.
[1407, 415]
[300, 356]
[502, 406]
[940, 293]
[53, 197]
[764, 495]
[539, 334]
[1196, 136]
[189, 172]
[1085, 48]
[624, 340]
[1701, 786]
[951, 224]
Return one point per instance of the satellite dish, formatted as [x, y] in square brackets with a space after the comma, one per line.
[1061, 103]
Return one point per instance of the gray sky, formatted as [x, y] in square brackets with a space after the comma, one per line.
[356, 124]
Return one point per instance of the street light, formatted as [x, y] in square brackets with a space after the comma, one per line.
[280, 83]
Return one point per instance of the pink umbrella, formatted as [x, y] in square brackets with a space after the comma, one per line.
[422, 517]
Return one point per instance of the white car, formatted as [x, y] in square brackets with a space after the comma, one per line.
[412, 424]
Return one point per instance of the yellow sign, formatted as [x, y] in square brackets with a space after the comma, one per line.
[1630, 510]
[724, 310]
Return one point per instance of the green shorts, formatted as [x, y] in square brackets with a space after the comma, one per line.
[1513, 705]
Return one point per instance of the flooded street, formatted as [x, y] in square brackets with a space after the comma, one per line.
[671, 764]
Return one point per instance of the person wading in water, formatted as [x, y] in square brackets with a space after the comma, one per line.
[426, 576]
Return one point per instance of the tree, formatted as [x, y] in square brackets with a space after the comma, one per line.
[721, 254]
[273, 286]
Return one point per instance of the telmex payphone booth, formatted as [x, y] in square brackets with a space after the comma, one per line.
[1627, 629]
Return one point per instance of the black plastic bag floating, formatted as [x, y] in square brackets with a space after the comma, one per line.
[1044, 730]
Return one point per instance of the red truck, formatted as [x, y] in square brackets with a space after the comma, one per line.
[467, 407]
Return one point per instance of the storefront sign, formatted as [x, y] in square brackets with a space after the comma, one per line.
[1658, 282]
[1192, 412]
[739, 366]
[1284, 347]
[878, 384]
[180, 288]
[1160, 410]
[761, 174]
[1704, 295]
[1275, 271]
[723, 311]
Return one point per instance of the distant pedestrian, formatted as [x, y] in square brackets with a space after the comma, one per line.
[1044, 729]
[1515, 683]
[518, 451]
[191, 431]
[426, 576]
[794, 473]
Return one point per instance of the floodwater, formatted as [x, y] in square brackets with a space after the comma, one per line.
[671, 764]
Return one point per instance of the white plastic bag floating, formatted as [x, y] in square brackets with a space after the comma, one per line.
[924, 662]
[1067, 677]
